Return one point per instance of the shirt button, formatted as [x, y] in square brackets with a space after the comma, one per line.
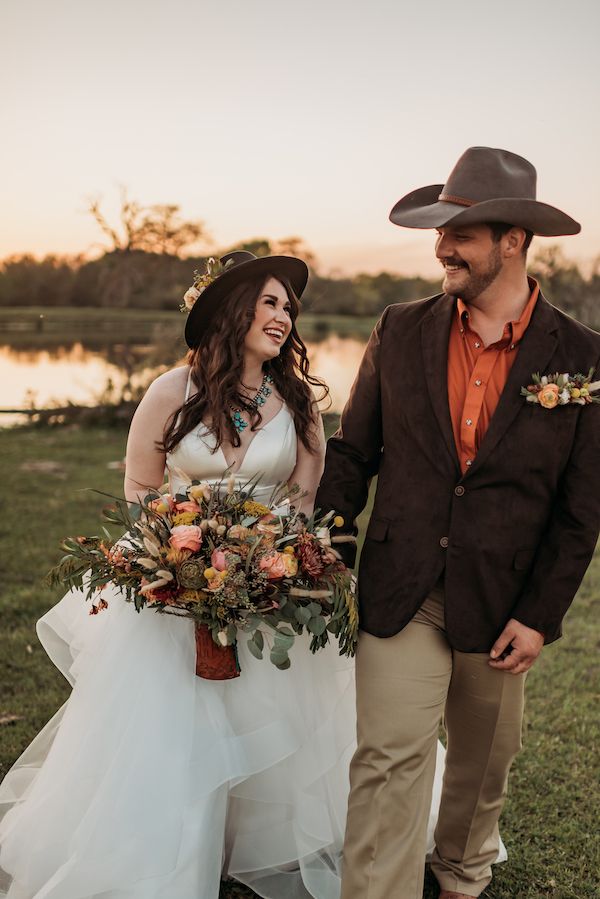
[459, 491]
[444, 542]
[478, 382]
[469, 462]
[477, 345]
[469, 421]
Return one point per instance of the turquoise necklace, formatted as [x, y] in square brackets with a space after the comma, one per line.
[258, 400]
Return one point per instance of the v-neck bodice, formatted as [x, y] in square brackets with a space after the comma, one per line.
[271, 455]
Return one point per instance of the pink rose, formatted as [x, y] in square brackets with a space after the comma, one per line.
[186, 536]
[274, 565]
[218, 560]
[189, 507]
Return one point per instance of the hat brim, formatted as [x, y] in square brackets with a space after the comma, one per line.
[289, 267]
[423, 209]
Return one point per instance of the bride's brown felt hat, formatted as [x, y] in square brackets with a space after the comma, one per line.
[485, 185]
[242, 266]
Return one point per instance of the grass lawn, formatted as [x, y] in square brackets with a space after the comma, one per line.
[550, 820]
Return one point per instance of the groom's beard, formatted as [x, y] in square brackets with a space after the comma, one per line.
[472, 280]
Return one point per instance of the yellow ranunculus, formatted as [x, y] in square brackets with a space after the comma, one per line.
[291, 564]
[289, 550]
[184, 518]
[254, 508]
[210, 573]
[575, 392]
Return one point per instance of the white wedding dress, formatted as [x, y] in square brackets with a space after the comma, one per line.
[152, 783]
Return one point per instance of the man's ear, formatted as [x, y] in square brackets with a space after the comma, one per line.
[513, 241]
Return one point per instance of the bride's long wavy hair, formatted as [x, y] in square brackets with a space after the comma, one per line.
[217, 365]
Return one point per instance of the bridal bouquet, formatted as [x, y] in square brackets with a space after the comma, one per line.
[233, 565]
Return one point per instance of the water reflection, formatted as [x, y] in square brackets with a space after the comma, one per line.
[76, 374]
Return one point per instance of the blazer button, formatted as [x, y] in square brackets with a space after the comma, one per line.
[460, 490]
[444, 542]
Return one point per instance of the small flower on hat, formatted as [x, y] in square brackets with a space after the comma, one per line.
[214, 268]
[550, 391]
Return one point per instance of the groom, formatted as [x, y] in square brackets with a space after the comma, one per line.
[485, 519]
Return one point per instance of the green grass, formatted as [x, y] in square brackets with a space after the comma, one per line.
[550, 820]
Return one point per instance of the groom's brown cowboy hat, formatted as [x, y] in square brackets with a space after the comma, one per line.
[486, 185]
[240, 265]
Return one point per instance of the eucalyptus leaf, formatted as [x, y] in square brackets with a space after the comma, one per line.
[303, 615]
[277, 656]
[317, 626]
[283, 641]
[259, 639]
[254, 649]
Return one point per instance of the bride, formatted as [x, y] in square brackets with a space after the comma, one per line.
[150, 781]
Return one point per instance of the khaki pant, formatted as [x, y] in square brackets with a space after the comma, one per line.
[405, 684]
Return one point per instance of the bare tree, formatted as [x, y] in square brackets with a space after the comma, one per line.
[151, 229]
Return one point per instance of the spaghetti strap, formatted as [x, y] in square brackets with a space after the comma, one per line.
[188, 386]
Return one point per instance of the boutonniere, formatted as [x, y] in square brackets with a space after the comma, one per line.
[561, 389]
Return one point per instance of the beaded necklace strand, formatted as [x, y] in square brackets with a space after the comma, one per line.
[258, 400]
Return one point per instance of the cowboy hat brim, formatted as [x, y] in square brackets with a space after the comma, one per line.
[423, 209]
[206, 306]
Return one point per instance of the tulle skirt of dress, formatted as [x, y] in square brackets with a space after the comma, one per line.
[151, 782]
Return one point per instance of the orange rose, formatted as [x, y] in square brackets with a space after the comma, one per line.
[548, 396]
[189, 507]
[186, 536]
[274, 565]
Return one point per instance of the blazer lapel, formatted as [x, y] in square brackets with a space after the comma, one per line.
[435, 333]
[534, 354]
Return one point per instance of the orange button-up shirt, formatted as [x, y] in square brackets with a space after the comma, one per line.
[477, 375]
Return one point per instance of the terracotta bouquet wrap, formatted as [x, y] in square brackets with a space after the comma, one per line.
[237, 567]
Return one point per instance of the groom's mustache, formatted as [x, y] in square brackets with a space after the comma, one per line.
[453, 260]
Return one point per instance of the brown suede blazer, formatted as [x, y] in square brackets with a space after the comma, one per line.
[515, 534]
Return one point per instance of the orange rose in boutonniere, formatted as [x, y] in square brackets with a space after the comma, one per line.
[548, 396]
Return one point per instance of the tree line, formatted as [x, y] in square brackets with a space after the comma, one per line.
[149, 261]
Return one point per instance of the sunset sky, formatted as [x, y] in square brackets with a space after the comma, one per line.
[275, 119]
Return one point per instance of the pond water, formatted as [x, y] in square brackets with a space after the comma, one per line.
[76, 374]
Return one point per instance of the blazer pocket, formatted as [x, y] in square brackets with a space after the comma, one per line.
[523, 559]
[378, 529]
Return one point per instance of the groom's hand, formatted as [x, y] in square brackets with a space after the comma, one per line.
[526, 645]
